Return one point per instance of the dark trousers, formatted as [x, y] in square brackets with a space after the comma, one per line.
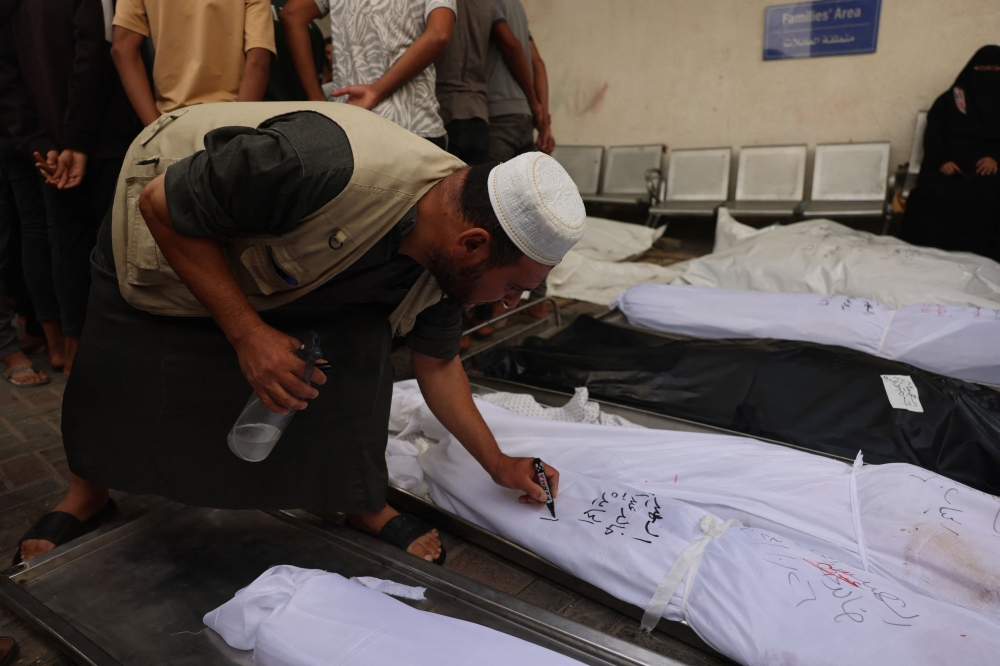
[469, 140]
[8, 334]
[12, 273]
[39, 246]
[77, 214]
[439, 141]
[152, 398]
[511, 135]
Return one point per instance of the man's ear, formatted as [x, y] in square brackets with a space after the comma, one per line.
[471, 247]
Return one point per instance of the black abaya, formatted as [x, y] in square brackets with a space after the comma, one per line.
[961, 211]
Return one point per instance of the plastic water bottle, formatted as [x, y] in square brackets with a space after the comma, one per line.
[258, 429]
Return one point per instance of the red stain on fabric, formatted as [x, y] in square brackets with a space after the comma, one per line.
[833, 572]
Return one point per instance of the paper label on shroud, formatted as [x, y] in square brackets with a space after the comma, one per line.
[902, 392]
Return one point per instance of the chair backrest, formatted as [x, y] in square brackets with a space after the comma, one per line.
[771, 173]
[850, 172]
[583, 164]
[699, 174]
[625, 168]
[917, 149]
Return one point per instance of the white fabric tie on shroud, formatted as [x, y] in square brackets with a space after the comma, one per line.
[909, 518]
[859, 532]
[685, 568]
[392, 588]
[946, 339]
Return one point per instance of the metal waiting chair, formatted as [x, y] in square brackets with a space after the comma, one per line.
[770, 181]
[583, 164]
[697, 183]
[849, 180]
[916, 154]
[623, 179]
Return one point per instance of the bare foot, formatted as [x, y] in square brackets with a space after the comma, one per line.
[27, 377]
[484, 332]
[539, 311]
[72, 342]
[427, 546]
[83, 501]
[55, 342]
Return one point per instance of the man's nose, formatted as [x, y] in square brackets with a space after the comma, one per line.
[511, 300]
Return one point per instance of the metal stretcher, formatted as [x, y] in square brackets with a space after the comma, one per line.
[134, 592]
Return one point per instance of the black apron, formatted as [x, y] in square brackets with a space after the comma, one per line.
[152, 399]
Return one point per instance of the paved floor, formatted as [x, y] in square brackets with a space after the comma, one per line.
[34, 477]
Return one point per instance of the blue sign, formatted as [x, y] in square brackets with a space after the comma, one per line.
[821, 28]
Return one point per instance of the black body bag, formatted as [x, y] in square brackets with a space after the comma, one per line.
[822, 398]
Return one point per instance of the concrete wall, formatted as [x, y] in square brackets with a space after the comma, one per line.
[690, 73]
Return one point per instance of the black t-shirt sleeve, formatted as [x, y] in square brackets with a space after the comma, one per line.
[259, 180]
[437, 331]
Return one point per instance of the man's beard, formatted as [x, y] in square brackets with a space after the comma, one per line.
[457, 283]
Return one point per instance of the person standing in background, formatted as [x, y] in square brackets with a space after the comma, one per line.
[62, 102]
[383, 56]
[39, 241]
[206, 51]
[18, 368]
[461, 83]
[462, 93]
[518, 86]
[519, 103]
[283, 83]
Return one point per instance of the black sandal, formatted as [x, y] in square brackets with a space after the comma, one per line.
[60, 527]
[403, 530]
[9, 650]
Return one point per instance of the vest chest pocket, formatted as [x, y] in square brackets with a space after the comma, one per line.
[274, 267]
[145, 263]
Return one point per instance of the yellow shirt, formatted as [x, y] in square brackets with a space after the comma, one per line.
[200, 45]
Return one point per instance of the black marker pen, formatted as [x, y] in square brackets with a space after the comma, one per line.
[544, 483]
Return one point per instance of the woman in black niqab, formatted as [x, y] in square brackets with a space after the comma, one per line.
[956, 203]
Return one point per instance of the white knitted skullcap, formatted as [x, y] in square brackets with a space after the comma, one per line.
[538, 205]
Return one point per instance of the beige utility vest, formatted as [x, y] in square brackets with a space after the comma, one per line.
[392, 170]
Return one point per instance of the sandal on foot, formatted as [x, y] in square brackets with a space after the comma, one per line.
[23, 369]
[403, 530]
[60, 527]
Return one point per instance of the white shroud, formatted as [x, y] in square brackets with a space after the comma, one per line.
[305, 617]
[823, 257]
[950, 340]
[750, 593]
[926, 533]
